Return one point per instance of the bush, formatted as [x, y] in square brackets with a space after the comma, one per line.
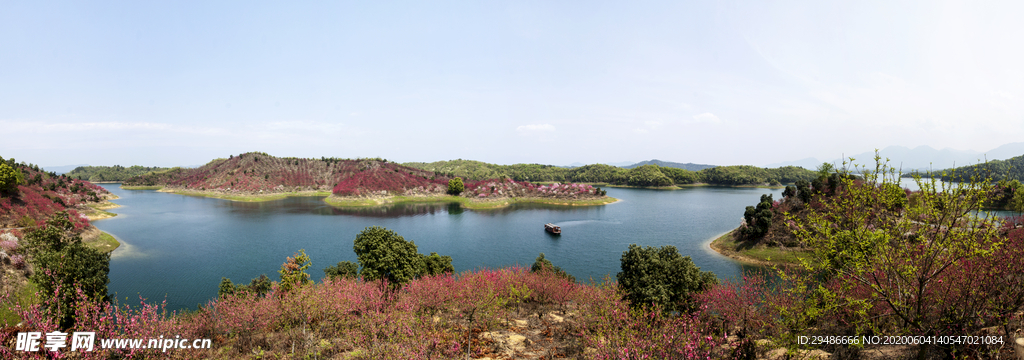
[455, 186]
[661, 277]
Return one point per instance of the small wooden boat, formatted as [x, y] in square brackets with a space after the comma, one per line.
[552, 228]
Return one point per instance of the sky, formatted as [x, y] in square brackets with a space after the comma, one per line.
[169, 83]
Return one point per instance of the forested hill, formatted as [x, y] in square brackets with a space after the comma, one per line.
[686, 166]
[644, 175]
[1009, 169]
[29, 196]
[111, 173]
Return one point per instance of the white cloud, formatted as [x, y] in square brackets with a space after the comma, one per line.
[535, 128]
[707, 117]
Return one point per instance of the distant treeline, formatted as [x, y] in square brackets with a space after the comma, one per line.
[687, 166]
[646, 175]
[111, 173]
[996, 170]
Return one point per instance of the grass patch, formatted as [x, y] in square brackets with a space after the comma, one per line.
[104, 205]
[750, 252]
[98, 214]
[250, 198]
[25, 296]
[104, 243]
[151, 187]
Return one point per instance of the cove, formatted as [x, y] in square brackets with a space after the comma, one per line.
[177, 247]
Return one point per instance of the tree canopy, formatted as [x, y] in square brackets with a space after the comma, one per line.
[661, 277]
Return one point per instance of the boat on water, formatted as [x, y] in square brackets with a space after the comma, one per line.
[552, 228]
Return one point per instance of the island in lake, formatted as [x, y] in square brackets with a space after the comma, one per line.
[258, 176]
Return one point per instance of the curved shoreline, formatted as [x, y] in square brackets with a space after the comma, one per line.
[467, 203]
[720, 246]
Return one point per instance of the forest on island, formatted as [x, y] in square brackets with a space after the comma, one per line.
[650, 175]
[111, 173]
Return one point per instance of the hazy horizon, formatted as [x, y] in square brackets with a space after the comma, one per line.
[724, 83]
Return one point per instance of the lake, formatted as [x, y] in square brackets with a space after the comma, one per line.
[178, 247]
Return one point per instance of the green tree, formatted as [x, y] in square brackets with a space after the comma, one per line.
[898, 251]
[1017, 202]
[455, 186]
[385, 255]
[9, 178]
[226, 287]
[63, 263]
[435, 265]
[293, 271]
[758, 219]
[261, 285]
[661, 276]
[343, 270]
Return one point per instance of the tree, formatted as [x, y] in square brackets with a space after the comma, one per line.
[10, 178]
[344, 270]
[385, 255]
[758, 219]
[293, 271]
[455, 186]
[662, 277]
[64, 264]
[435, 265]
[903, 266]
[259, 286]
[226, 287]
[543, 265]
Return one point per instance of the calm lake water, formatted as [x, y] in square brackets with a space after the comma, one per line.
[178, 247]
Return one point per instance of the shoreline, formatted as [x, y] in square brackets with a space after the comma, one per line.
[466, 203]
[337, 201]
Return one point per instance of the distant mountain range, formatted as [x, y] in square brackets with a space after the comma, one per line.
[920, 158]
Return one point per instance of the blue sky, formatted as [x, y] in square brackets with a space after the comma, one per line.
[180, 83]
